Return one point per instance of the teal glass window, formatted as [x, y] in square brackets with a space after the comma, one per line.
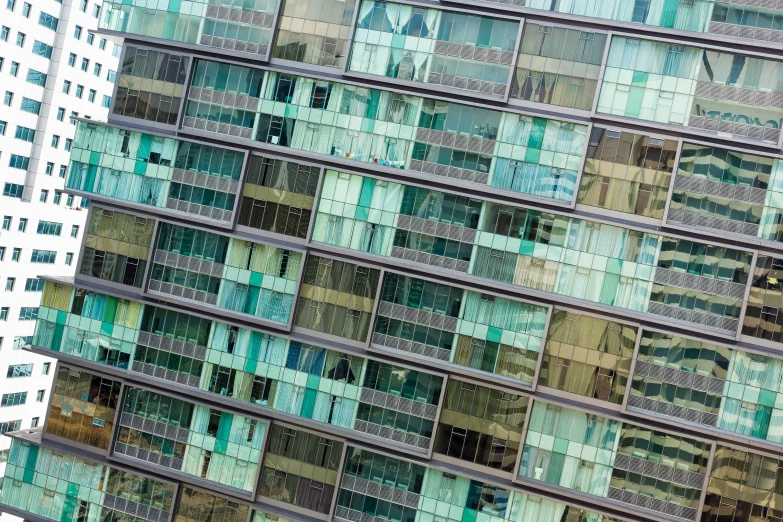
[441, 48]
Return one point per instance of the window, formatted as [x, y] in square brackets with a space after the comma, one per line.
[19, 370]
[9, 98]
[26, 8]
[49, 228]
[72, 59]
[77, 32]
[111, 75]
[83, 6]
[33, 284]
[22, 341]
[13, 399]
[9, 284]
[60, 114]
[4, 32]
[68, 143]
[6, 222]
[79, 91]
[39, 396]
[74, 230]
[20, 39]
[55, 141]
[96, 11]
[91, 96]
[97, 69]
[72, 118]
[34, 422]
[116, 51]
[69, 258]
[5, 427]
[48, 21]
[22, 224]
[46, 367]
[46, 257]
[3, 125]
[16, 254]
[57, 196]
[85, 64]
[4, 313]
[69, 201]
[49, 168]
[90, 37]
[63, 168]
[10, 5]
[36, 77]
[42, 49]
[13, 190]
[14, 69]
[19, 162]
[29, 105]
[102, 44]
[106, 102]
[44, 196]
[66, 86]
[28, 313]
[24, 134]
[2, 253]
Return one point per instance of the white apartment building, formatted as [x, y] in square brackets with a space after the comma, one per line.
[53, 68]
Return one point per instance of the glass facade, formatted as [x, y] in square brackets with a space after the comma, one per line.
[363, 261]
[627, 172]
[83, 407]
[709, 384]
[181, 176]
[59, 486]
[728, 191]
[448, 49]
[508, 151]
[241, 276]
[117, 246]
[243, 27]
[479, 331]
[481, 425]
[588, 356]
[558, 66]
[301, 468]
[207, 443]
[625, 268]
[150, 85]
[607, 458]
[279, 196]
[717, 92]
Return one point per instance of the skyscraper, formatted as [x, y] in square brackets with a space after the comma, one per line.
[414, 261]
[53, 69]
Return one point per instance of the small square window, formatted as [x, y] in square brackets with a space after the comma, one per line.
[57, 196]
[79, 91]
[68, 258]
[34, 422]
[44, 195]
[77, 32]
[7, 222]
[60, 114]
[91, 96]
[66, 86]
[72, 59]
[85, 64]
[49, 168]
[22, 224]
[20, 39]
[75, 231]
[4, 313]
[16, 254]
[39, 397]
[14, 69]
[90, 37]
[55, 141]
[9, 284]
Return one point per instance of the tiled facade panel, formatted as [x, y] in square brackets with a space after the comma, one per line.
[486, 261]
